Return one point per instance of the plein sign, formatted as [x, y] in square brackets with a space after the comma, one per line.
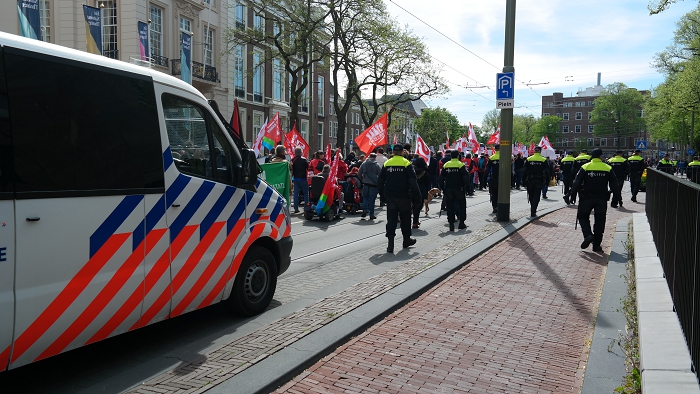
[504, 90]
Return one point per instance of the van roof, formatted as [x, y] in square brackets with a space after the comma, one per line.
[29, 44]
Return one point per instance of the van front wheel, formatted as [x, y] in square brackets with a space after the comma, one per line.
[255, 283]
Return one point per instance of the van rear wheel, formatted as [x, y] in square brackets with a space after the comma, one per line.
[255, 283]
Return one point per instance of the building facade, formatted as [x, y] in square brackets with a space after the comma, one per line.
[576, 130]
[261, 86]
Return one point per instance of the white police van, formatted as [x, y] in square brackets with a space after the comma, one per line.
[124, 201]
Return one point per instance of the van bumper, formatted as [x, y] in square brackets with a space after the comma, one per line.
[285, 248]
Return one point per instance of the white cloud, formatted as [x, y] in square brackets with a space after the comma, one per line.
[564, 43]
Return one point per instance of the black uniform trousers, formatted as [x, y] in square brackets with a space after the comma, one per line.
[635, 183]
[599, 207]
[568, 182]
[398, 208]
[534, 191]
[620, 184]
[452, 197]
[493, 190]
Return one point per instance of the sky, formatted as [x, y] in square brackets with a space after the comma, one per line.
[560, 46]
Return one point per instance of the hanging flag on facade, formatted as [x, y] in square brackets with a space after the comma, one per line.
[143, 40]
[93, 29]
[29, 18]
[374, 136]
[186, 57]
[236, 121]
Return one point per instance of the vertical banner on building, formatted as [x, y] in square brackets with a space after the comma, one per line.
[186, 57]
[143, 40]
[29, 18]
[93, 29]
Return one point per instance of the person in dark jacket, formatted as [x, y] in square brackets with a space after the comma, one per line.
[454, 181]
[369, 176]
[666, 165]
[535, 174]
[433, 171]
[637, 166]
[397, 184]
[592, 182]
[424, 184]
[566, 168]
[621, 169]
[580, 160]
[518, 168]
[300, 169]
[492, 167]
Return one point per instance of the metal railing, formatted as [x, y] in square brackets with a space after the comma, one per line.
[673, 210]
[199, 70]
[159, 60]
[111, 53]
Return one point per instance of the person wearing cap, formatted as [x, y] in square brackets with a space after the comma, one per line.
[665, 165]
[621, 168]
[592, 183]
[580, 160]
[397, 184]
[567, 167]
[535, 173]
[454, 181]
[492, 175]
[637, 166]
[693, 172]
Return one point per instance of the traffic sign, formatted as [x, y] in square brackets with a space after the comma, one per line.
[504, 90]
[642, 145]
[690, 151]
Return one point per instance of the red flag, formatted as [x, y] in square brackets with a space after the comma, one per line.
[374, 136]
[531, 151]
[495, 137]
[472, 139]
[274, 130]
[294, 139]
[394, 138]
[422, 149]
[329, 153]
[447, 141]
[236, 121]
[329, 188]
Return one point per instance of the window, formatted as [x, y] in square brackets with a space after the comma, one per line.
[320, 96]
[208, 47]
[577, 128]
[590, 128]
[548, 104]
[589, 116]
[257, 77]
[565, 129]
[156, 31]
[239, 72]
[568, 105]
[640, 113]
[276, 29]
[257, 123]
[565, 142]
[304, 125]
[244, 129]
[45, 19]
[208, 2]
[566, 116]
[109, 29]
[591, 103]
[198, 145]
[278, 82]
[304, 101]
[576, 142]
[579, 116]
[320, 136]
[559, 115]
[603, 142]
[240, 16]
[545, 114]
[589, 142]
[259, 22]
[623, 141]
[82, 145]
[615, 141]
[185, 25]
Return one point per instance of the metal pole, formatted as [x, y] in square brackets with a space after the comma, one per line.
[506, 121]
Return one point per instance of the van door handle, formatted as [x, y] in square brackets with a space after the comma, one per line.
[33, 219]
[175, 205]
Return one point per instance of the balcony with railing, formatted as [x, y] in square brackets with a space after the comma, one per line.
[159, 60]
[199, 70]
[112, 54]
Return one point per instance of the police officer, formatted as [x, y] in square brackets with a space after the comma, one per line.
[637, 166]
[592, 183]
[693, 171]
[580, 160]
[666, 165]
[567, 167]
[535, 173]
[621, 168]
[397, 184]
[492, 174]
[454, 180]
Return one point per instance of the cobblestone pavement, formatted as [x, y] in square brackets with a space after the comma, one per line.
[518, 318]
[227, 361]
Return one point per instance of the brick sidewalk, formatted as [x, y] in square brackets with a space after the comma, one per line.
[518, 318]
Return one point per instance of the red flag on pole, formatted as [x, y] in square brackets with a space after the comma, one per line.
[394, 138]
[294, 139]
[531, 151]
[447, 141]
[422, 149]
[495, 137]
[374, 136]
[329, 153]
[236, 121]
[274, 130]
[472, 139]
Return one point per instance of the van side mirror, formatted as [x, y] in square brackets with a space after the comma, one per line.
[251, 168]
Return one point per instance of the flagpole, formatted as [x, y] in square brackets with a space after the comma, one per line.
[503, 212]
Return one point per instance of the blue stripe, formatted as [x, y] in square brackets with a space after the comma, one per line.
[158, 210]
[167, 158]
[215, 211]
[190, 209]
[113, 221]
[235, 216]
[276, 210]
[264, 200]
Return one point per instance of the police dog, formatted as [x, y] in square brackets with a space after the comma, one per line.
[431, 194]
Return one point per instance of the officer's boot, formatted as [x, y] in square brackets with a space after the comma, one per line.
[462, 225]
[452, 226]
[390, 247]
[408, 241]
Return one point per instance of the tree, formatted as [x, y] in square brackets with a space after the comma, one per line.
[657, 6]
[686, 45]
[491, 120]
[433, 123]
[547, 126]
[618, 110]
[523, 128]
